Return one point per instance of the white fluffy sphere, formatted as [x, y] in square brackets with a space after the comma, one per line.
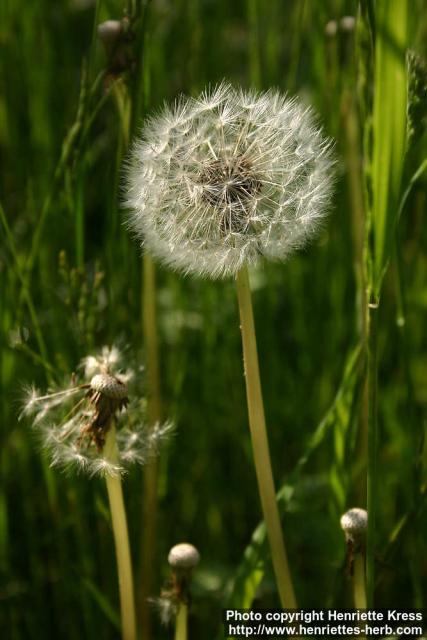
[218, 181]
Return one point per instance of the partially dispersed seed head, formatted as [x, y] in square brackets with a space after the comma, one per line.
[354, 523]
[183, 557]
[73, 421]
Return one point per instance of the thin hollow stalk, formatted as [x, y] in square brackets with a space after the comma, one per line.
[181, 622]
[150, 500]
[260, 447]
[372, 479]
[359, 583]
[121, 541]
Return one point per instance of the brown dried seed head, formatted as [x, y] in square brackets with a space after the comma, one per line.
[183, 557]
[109, 386]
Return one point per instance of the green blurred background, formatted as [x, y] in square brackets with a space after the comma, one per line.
[71, 281]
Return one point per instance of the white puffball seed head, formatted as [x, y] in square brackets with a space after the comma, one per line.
[183, 557]
[219, 181]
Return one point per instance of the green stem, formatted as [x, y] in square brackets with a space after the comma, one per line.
[260, 447]
[181, 622]
[359, 583]
[121, 540]
[372, 480]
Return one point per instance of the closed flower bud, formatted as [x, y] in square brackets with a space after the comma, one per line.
[331, 28]
[109, 32]
[347, 24]
[354, 523]
[183, 557]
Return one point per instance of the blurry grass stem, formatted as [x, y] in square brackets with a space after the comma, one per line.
[372, 476]
[25, 292]
[121, 540]
[254, 51]
[260, 446]
[154, 409]
[388, 153]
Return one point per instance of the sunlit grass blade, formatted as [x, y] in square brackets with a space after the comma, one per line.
[389, 128]
[389, 144]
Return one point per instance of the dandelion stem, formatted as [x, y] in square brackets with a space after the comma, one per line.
[260, 447]
[181, 622]
[359, 585]
[121, 540]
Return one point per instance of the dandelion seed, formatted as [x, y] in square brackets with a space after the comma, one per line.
[166, 607]
[218, 181]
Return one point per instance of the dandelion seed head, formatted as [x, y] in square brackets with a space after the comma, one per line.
[217, 181]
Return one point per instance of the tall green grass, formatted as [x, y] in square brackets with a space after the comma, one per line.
[71, 280]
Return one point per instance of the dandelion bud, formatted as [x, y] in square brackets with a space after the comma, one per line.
[109, 32]
[354, 523]
[183, 557]
[347, 24]
[331, 28]
[221, 180]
